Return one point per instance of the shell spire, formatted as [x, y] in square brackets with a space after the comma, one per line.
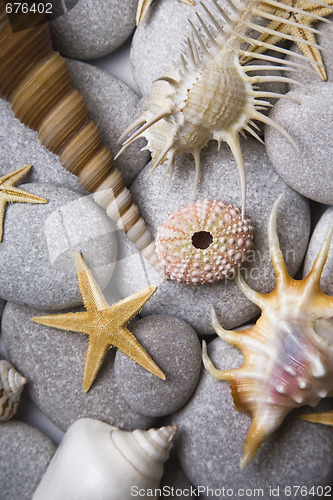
[39, 89]
[11, 387]
[288, 353]
[120, 460]
[212, 95]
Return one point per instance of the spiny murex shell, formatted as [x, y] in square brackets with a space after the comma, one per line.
[11, 386]
[203, 242]
[211, 95]
[97, 461]
[288, 353]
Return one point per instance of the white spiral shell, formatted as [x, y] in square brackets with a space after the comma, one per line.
[98, 461]
[11, 386]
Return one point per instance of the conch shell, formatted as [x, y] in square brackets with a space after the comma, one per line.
[35, 79]
[288, 353]
[11, 386]
[98, 461]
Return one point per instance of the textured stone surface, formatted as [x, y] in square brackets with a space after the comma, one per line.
[317, 238]
[309, 170]
[113, 107]
[24, 455]
[210, 441]
[93, 29]
[36, 255]
[324, 39]
[174, 483]
[219, 179]
[175, 348]
[53, 362]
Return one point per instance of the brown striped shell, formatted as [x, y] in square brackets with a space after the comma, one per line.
[11, 386]
[35, 79]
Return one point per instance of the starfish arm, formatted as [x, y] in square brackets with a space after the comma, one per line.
[310, 52]
[142, 10]
[129, 345]
[73, 322]
[92, 296]
[15, 195]
[3, 204]
[127, 308]
[94, 358]
[14, 177]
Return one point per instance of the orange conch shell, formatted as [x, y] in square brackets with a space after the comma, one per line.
[288, 356]
[35, 79]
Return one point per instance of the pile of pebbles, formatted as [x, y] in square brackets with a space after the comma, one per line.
[38, 274]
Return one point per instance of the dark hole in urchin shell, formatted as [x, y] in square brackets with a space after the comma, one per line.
[202, 239]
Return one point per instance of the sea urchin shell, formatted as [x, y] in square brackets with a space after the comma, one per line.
[203, 242]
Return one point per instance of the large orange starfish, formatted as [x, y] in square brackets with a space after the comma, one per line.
[144, 5]
[105, 324]
[298, 17]
[11, 194]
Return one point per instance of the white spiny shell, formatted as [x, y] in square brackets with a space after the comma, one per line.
[96, 461]
[288, 353]
[11, 386]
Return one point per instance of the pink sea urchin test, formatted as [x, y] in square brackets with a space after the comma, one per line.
[203, 242]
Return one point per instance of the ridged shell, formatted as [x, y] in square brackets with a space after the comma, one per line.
[288, 354]
[203, 242]
[98, 461]
[35, 79]
[11, 386]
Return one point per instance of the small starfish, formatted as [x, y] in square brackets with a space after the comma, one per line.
[144, 5]
[11, 194]
[105, 324]
[299, 15]
[319, 418]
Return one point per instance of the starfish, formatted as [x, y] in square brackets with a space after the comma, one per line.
[299, 15]
[105, 324]
[11, 194]
[144, 5]
[319, 418]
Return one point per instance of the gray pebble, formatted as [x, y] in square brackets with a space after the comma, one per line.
[218, 180]
[53, 362]
[317, 238]
[308, 170]
[175, 348]
[307, 74]
[174, 483]
[39, 241]
[211, 436]
[93, 29]
[24, 456]
[113, 107]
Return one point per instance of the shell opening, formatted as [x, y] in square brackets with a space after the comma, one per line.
[202, 239]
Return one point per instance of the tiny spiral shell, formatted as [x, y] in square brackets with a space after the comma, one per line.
[204, 242]
[11, 386]
[36, 80]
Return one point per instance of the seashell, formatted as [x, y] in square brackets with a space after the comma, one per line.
[144, 5]
[203, 242]
[319, 418]
[98, 461]
[211, 95]
[288, 358]
[35, 79]
[11, 386]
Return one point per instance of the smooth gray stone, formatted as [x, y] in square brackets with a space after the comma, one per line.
[210, 441]
[20, 146]
[113, 107]
[93, 29]
[174, 483]
[308, 170]
[218, 180]
[25, 454]
[324, 39]
[317, 238]
[175, 348]
[53, 361]
[39, 241]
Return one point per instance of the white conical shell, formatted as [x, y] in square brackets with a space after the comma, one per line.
[11, 386]
[98, 461]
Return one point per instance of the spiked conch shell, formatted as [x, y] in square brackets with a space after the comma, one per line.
[212, 95]
[98, 461]
[35, 79]
[11, 386]
[288, 357]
